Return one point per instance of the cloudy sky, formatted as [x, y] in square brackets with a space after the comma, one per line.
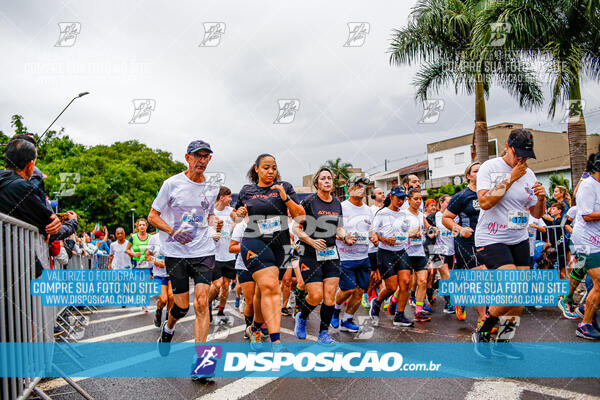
[352, 103]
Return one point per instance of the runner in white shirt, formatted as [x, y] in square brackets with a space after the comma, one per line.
[378, 197]
[411, 182]
[444, 247]
[392, 258]
[118, 258]
[159, 272]
[586, 241]
[224, 270]
[353, 250]
[183, 212]
[417, 227]
[507, 192]
[244, 276]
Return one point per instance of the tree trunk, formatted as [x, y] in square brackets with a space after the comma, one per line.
[577, 134]
[480, 134]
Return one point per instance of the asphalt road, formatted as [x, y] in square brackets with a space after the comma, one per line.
[131, 324]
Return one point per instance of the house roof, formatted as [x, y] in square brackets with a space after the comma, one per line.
[413, 168]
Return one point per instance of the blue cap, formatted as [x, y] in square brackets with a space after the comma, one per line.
[398, 191]
[198, 145]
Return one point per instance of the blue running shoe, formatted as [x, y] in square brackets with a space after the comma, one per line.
[325, 340]
[580, 310]
[300, 327]
[567, 310]
[587, 331]
[335, 319]
[427, 309]
[237, 302]
[349, 326]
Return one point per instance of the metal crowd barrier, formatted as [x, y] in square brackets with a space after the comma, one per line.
[557, 239]
[24, 318]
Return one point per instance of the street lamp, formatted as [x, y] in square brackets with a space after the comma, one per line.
[132, 220]
[63, 110]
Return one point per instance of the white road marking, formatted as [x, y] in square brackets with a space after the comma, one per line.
[59, 382]
[238, 389]
[493, 390]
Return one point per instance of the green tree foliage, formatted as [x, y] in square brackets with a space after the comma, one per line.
[556, 180]
[341, 171]
[113, 179]
[448, 188]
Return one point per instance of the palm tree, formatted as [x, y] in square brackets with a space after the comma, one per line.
[341, 171]
[564, 32]
[556, 180]
[439, 36]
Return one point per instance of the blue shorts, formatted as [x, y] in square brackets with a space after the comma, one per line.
[164, 280]
[355, 273]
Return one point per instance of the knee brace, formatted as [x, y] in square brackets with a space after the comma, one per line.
[178, 312]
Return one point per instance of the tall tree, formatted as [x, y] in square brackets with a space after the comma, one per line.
[439, 36]
[341, 171]
[566, 34]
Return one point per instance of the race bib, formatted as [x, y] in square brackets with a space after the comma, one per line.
[446, 233]
[517, 219]
[191, 219]
[269, 226]
[416, 241]
[143, 264]
[329, 253]
[361, 237]
[401, 238]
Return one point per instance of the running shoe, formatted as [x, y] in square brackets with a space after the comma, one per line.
[365, 300]
[480, 324]
[580, 310]
[374, 311]
[481, 344]
[325, 340]
[237, 302]
[285, 312]
[392, 306]
[427, 309]
[255, 339]
[349, 326]
[277, 347]
[164, 341]
[423, 317]
[158, 318]
[567, 310]
[246, 336]
[412, 301]
[401, 320]
[220, 313]
[461, 313]
[203, 380]
[264, 331]
[300, 327]
[587, 331]
[335, 318]
[449, 309]
[430, 297]
[505, 349]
